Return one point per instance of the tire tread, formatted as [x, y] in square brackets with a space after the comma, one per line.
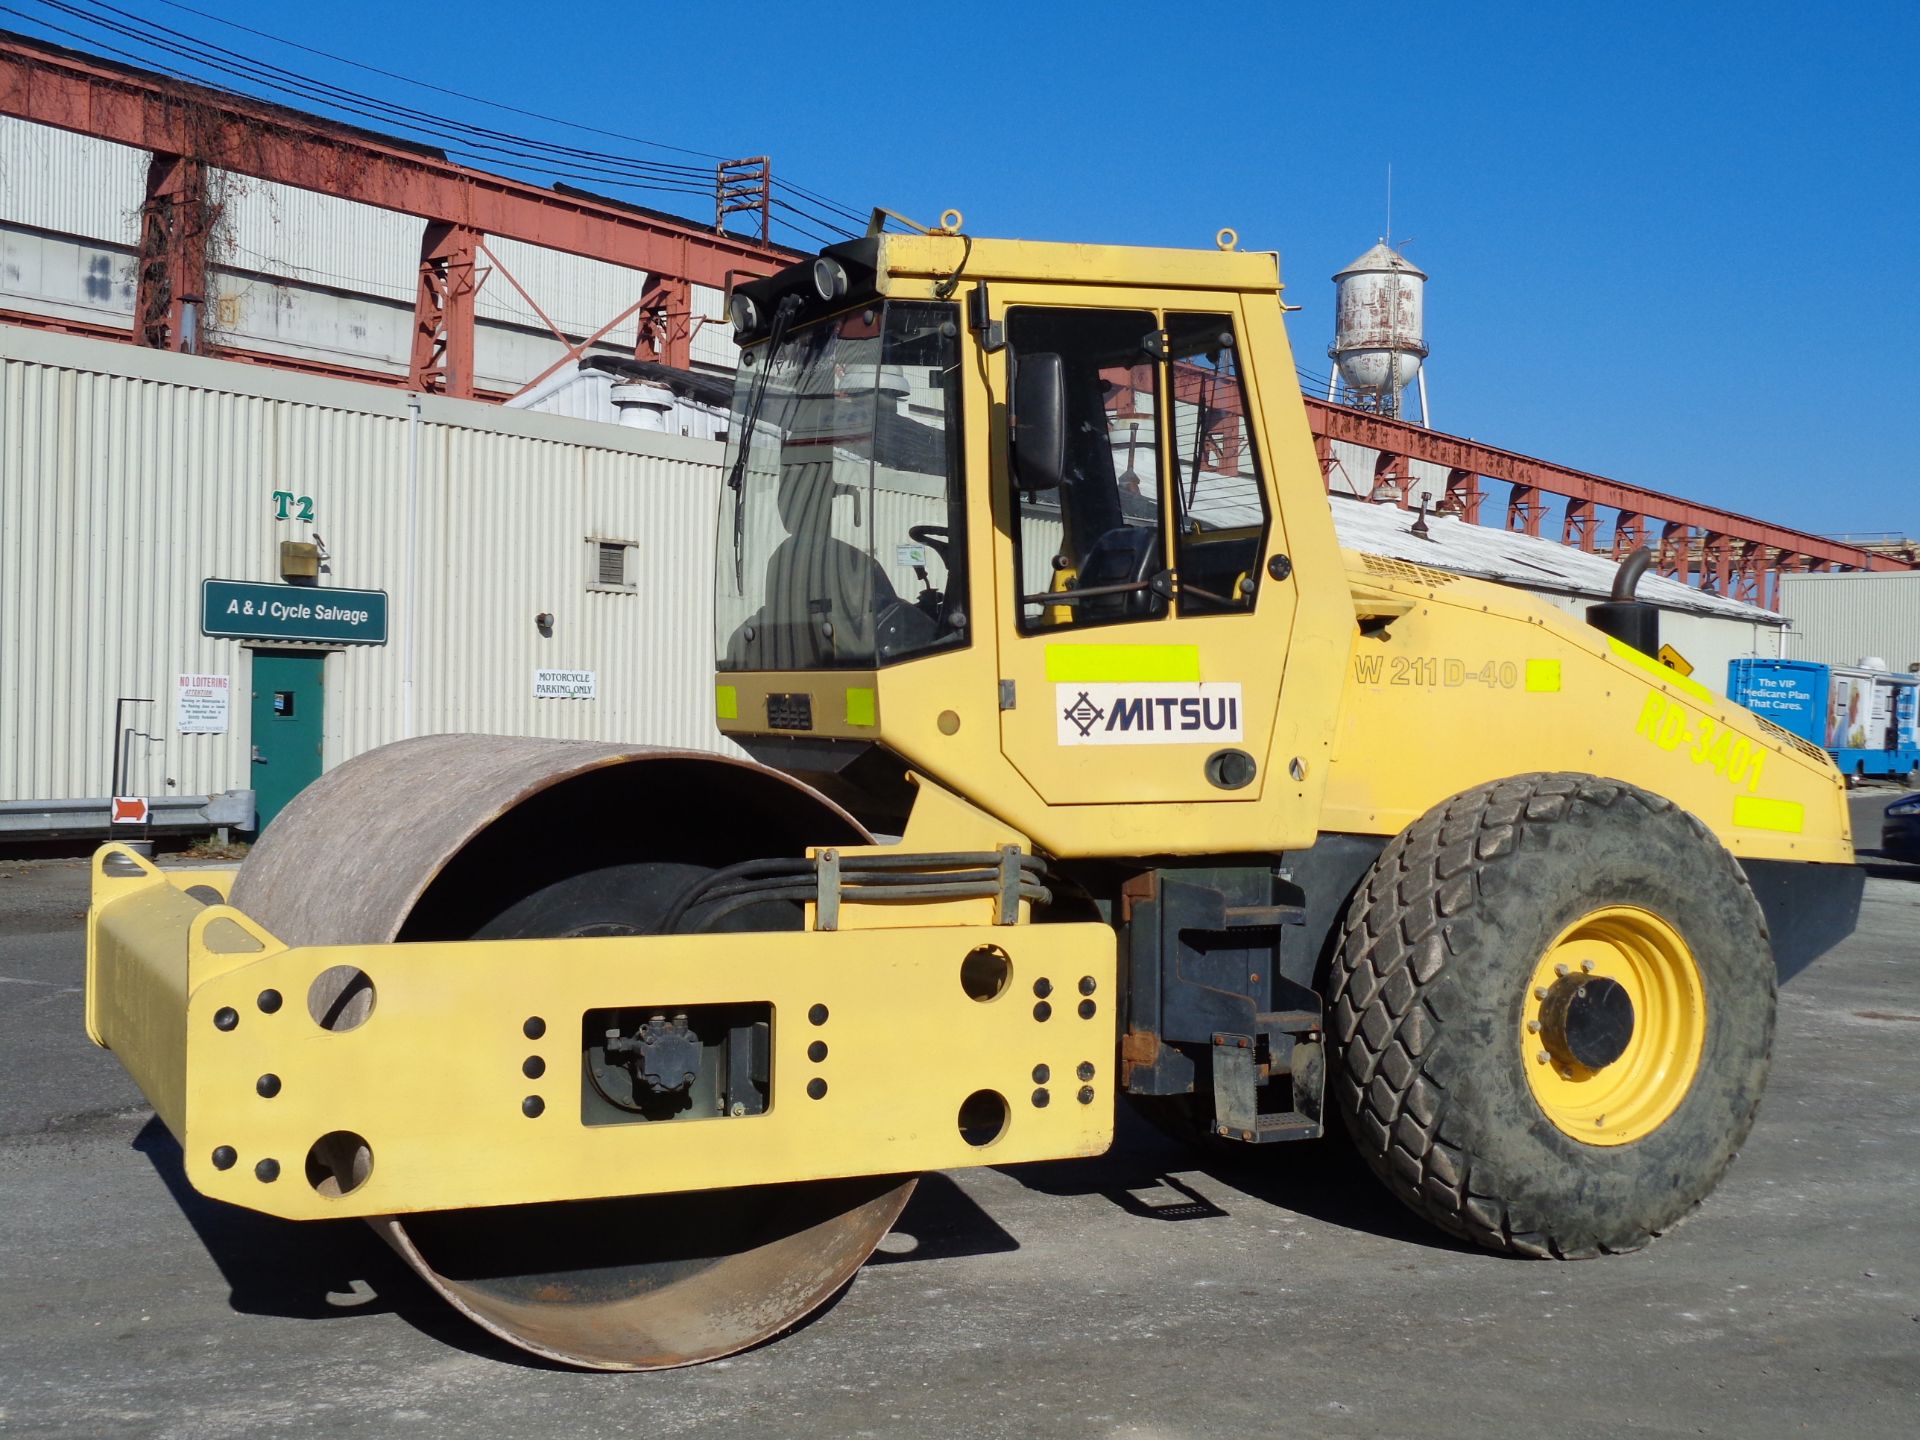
[1392, 957]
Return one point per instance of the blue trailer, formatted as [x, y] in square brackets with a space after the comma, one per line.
[1865, 719]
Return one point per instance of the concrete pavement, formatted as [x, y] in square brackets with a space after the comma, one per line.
[1151, 1293]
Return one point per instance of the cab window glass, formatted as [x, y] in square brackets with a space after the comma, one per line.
[1220, 511]
[1091, 551]
[842, 540]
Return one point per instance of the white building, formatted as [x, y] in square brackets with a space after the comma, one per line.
[1842, 619]
[499, 544]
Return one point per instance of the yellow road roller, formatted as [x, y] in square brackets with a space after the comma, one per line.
[1072, 762]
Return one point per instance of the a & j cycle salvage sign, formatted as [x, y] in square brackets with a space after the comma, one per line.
[245, 610]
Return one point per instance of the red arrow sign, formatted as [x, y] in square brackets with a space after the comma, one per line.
[129, 809]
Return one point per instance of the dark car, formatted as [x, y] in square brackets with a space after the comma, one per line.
[1900, 829]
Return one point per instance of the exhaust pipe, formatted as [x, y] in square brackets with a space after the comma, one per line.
[1630, 621]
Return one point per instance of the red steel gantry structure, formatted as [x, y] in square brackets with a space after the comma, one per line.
[189, 129]
[1719, 550]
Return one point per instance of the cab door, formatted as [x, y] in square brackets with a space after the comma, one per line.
[1144, 650]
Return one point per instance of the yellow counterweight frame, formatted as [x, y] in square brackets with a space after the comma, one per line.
[200, 1003]
[1452, 682]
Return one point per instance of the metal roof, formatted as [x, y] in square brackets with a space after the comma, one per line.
[1526, 561]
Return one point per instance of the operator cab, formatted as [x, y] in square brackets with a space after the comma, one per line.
[842, 537]
[841, 542]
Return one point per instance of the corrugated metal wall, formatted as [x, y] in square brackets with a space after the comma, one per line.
[1837, 619]
[77, 184]
[129, 476]
[306, 235]
[312, 274]
[296, 272]
[1353, 469]
[69, 223]
[712, 342]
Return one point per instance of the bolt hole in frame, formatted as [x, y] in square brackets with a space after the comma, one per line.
[983, 1117]
[986, 973]
[339, 1163]
[341, 998]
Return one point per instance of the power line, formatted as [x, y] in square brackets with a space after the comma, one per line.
[833, 219]
[806, 229]
[834, 207]
[482, 144]
[439, 89]
[838, 227]
[854, 215]
[275, 77]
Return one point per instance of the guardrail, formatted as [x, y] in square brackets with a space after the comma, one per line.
[168, 815]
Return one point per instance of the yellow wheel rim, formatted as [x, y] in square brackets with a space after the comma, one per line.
[1630, 1096]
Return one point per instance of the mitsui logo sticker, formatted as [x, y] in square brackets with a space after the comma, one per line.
[1163, 713]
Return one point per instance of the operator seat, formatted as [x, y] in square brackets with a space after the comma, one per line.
[1127, 554]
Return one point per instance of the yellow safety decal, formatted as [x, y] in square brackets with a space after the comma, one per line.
[1660, 672]
[1672, 726]
[1543, 675]
[726, 702]
[1755, 812]
[1122, 664]
[861, 708]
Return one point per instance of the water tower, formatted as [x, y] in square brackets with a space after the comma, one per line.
[1379, 337]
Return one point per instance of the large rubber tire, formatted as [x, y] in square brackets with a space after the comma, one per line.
[1436, 958]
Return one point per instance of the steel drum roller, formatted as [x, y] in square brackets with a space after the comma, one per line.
[473, 836]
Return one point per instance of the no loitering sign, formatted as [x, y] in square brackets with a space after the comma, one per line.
[202, 704]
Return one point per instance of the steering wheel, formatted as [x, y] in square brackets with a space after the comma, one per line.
[933, 535]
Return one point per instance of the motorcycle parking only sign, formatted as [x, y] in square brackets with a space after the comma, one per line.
[1148, 714]
[565, 684]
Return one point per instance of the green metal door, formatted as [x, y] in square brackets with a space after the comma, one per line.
[289, 694]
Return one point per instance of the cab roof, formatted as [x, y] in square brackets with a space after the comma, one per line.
[909, 266]
[1156, 267]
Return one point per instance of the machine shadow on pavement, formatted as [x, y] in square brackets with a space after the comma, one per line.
[313, 1270]
[942, 1222]
[339, 1269]
[1323, 1180]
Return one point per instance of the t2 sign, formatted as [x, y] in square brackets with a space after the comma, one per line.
[289, 506]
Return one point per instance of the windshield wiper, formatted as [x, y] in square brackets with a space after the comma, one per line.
[737, 477]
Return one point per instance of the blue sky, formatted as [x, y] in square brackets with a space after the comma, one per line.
[1674, 243]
